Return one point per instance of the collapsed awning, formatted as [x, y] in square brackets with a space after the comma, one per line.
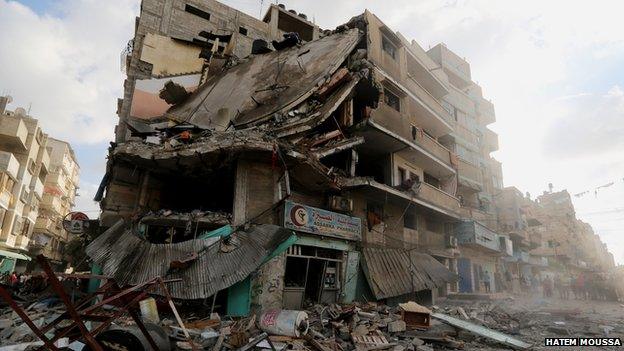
[395, 272]
[131, 260]
[16, 255]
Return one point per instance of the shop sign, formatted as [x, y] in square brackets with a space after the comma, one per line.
[318, 221]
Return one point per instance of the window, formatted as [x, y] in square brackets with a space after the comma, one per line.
[17, 225]
[242, 30]
[25, 228]
[31, 166]
[410, 220]
[388, 47]
[197, 12]
[403, 175]
[392, 100]
[374, 215]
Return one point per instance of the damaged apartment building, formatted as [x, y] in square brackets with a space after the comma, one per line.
[269, 163]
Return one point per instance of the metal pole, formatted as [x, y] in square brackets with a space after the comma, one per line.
[56, 285]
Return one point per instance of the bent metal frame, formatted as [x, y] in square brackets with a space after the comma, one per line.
[85, 309]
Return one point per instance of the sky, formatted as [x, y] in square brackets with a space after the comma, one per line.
[553, 70]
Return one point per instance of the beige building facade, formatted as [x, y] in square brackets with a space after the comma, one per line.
[59, 197]
[24, 166]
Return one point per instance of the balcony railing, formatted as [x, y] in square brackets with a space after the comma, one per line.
[52, 202]
[438, 197]
[9, 164]
[38, 188]
[485, 109]
[428, 100]
[45, 160]
[394, 121]
[474, 234]
[6, 199]
[13, 133]
[470, 172]
[57, 180]
[491, 139]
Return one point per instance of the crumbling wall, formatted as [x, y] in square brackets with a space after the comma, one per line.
[267, 285]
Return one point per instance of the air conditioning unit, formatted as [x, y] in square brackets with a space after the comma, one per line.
[451, 241]
[340, 203]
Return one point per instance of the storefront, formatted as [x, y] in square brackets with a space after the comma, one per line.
[322, 266]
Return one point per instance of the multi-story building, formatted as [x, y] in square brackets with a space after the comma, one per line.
[479, 176]
[24, 165]
[49, 237]
[372, 150]
[547, 237]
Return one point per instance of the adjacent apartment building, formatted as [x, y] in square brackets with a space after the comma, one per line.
[59, 195]
[373, 151]
[547, 237]
[24, 166]
[38, 182]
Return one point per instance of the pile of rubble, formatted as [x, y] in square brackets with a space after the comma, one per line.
[359, 327]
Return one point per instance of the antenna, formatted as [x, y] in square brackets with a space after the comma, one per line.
[29, 106]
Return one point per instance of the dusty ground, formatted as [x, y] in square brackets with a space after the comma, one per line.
[531, 319]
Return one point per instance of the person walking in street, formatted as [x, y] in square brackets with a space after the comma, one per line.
[547, 286]
[486, 281]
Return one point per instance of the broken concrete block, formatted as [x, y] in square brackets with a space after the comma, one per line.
[417, 342]
[424, 348]
[396, 326]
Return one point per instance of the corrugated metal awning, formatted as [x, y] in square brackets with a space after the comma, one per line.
[131, 260]
[394, 272]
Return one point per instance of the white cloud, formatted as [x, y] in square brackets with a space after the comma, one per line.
[67, 67]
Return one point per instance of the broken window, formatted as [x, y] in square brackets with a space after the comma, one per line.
[374, 215]
[197, 12]
[242, 30]
[388, 47]
[392, 100]
[410, 220]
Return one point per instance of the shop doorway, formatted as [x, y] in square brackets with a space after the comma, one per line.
[312, 276]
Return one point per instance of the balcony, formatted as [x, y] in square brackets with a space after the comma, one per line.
[52, 203]
[32, 214]
[538, 261]
[417, 102]
[38, 188]
[457, 69]
[45, 160]
[9, 164]
[485, 112]
[475, 235]
[13, 134]
[6, 199]
[22, 242]
[490, 140]
[428, 196]
[436, 196]
[469, 175]
[519, 257]
[57, 180]
[387, 132]
[44, 225]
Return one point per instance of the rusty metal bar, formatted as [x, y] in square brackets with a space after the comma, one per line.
[6, 296]
[56, 285]
[80, 304]
[139, 322]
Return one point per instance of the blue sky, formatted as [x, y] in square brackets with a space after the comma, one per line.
[555, 78]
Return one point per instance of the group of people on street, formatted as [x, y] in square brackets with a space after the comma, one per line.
[583, 286]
